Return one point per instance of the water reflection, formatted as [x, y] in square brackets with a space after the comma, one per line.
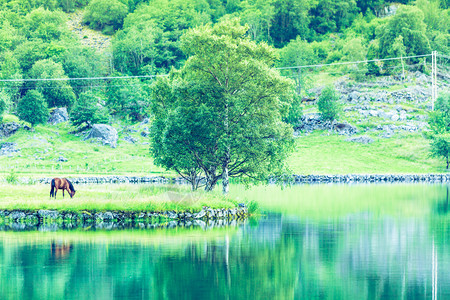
[360, 255]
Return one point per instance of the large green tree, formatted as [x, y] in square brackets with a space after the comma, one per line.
[223, 111]
[52, 83]
[88, 111]
[407, 23]
[33, 108]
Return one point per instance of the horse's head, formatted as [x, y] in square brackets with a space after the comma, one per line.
[72, 193]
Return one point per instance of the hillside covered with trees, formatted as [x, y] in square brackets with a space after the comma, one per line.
[36, 43]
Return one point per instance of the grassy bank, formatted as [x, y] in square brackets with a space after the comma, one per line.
[111, 197]
[321, 153]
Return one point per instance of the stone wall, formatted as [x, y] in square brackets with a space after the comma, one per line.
[117, 219]
[358, 178]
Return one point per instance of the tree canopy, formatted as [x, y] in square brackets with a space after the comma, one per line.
[222, 112]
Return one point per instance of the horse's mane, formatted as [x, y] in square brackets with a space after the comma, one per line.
[70, 185]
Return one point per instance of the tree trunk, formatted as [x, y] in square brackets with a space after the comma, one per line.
[447, 162]
[211, 181]
[225, 181]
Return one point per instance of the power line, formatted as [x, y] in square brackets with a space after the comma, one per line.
[165, 75]
[82, 78]
[352, 62]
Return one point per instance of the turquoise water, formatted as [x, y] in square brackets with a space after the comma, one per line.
[367, 253]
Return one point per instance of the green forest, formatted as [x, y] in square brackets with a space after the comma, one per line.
[36, 43]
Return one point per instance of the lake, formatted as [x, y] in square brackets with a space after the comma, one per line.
[311, 242]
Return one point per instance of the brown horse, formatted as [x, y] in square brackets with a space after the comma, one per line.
[63, 184]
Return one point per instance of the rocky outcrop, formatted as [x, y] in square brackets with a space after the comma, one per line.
[313, 121]
[8, 149]
[105, 134]
[8, 129]
[59, 115]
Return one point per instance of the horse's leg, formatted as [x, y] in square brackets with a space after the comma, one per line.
[63, 192]
[56, 191]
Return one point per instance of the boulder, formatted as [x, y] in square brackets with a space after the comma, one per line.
[345, 129]
[8, 148]
[104, 133]
[61, 159]
[360, 139]
[59, 115]
[8, 129]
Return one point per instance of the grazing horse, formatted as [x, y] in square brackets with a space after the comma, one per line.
[63, 184]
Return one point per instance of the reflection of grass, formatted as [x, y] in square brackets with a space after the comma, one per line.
[332, 200]
[156, 237]
[124, 197]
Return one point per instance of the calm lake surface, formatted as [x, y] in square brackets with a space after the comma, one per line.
[313, 242]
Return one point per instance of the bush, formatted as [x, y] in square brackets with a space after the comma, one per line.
[11, 178]
[440, 148]
[57, 93]
[328, 104]
[33, 108]
[87, 110]
[439, 119]
[295, 112]
[105, 14]
[2, 108]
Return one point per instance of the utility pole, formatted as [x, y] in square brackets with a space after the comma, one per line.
[433, 79]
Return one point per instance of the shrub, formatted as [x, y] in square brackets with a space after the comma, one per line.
[2, 108]
[440, 148]
[104, 14]
[88, 111]
[439, 119]
[33, 108]
[328, 104]
[11, 178]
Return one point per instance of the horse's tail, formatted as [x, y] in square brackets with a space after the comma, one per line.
[52, 189]
[70, 185]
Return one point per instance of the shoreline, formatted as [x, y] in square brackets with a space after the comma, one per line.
[295, 179]
[19, 218]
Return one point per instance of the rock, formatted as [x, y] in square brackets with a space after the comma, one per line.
[130, 139]
[200, 215]
[17, 215]
[8, 148]
[59, 115]
[144, 133]
[61, 159]
[360, 139]
[345, 129]
[395, 117]
[403, 115]
[8, 129]
[48, 214]
[104, 133]
[373, 113]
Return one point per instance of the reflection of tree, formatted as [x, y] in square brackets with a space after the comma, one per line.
[442, 204]
[282, 258]
[243, 267]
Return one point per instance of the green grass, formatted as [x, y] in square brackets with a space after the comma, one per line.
[41, 149]
[320, 153]
[115, 197]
